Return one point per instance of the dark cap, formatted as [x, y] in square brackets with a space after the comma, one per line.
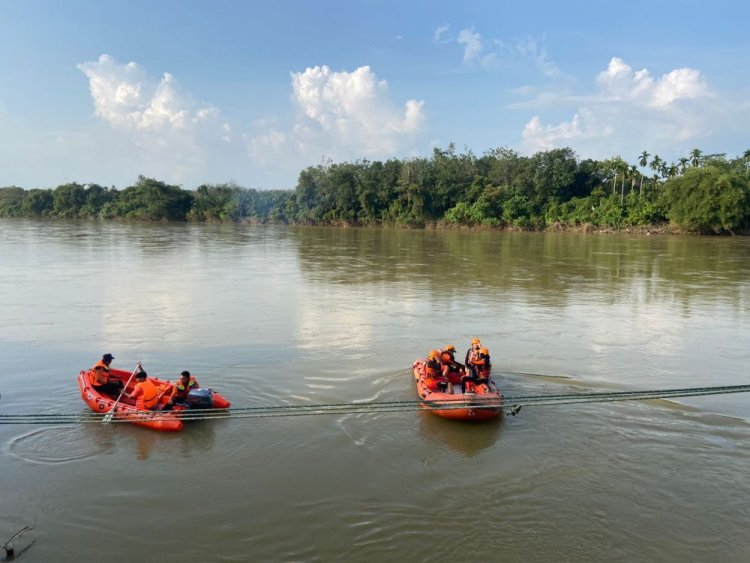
[108, 357]
[185, 373]
[141, 374]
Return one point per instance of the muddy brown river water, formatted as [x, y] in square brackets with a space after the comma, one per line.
[281, 315]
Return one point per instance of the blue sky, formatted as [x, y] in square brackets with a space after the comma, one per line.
[207, 92]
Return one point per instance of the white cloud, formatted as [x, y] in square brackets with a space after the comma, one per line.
[341, 115]
[472, 43]
[126, 97]
[582, 127]
[620, 82]
[536, 52]
[680, 84]
[497, 53]
[268, 143]
[166, 132]
[441, 34]
[629, 109]
[546, 137]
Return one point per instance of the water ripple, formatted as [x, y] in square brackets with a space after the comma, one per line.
[57, 445]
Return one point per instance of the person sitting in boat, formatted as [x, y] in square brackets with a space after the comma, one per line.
[145, 392]
[434, 379]
[184, 385]
[451, 368]
[100, 377]
[479, 367]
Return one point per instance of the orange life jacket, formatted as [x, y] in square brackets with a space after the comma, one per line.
[147, 395]
[472, 356]
[432, 369]
[471, 352]
[180, 391]
[482, 365]
[99, 374]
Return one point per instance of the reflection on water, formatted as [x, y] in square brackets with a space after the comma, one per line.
[547, 268]
[197, 439]
[145, 442]
[466, 438]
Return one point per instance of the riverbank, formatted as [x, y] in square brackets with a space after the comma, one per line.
[551, 191]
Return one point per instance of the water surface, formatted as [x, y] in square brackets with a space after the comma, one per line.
[275, 315]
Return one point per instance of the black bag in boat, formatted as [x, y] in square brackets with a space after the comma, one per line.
[200, 398]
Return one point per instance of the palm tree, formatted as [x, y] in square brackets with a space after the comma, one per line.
[656, 165]
[624, 167]
[633, 172]
[616, 166]
[695, 157]
[683, 164]
[643, 162]
[672, 170]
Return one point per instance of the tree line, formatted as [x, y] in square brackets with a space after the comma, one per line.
[705, 193]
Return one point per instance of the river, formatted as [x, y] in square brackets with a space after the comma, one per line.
[283, 315]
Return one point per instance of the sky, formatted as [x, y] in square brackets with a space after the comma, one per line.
[192, 92]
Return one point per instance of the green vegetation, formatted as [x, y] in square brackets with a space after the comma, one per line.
[501, 189]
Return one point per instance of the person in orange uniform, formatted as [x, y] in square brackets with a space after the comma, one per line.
[145, 393]
[434, 379]
[473, 349]
[452, 370]
[480, 367]
[100, 377]
[181, 389]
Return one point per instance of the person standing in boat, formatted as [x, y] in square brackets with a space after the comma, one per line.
[145, 393]
[480, 366]
[470, 353]
[184, 385]
[434, 379]
[101, 377]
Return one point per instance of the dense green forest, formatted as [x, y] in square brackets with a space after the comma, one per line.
[704, 193]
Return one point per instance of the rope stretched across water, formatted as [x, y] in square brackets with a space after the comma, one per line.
[460, 402]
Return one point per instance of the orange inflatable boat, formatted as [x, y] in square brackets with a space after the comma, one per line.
[167, 421]
[484, 403]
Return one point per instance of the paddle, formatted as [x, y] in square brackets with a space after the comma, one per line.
[110, 413]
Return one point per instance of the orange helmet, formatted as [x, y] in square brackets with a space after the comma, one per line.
[450, 349]
[484, 351]
[434, 355]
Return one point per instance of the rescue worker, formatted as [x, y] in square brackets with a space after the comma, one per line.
[452, 370]
[475, 346]
[182, 387]
[101, 377]
[434, 379]
[145, 392]
[479, 367]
